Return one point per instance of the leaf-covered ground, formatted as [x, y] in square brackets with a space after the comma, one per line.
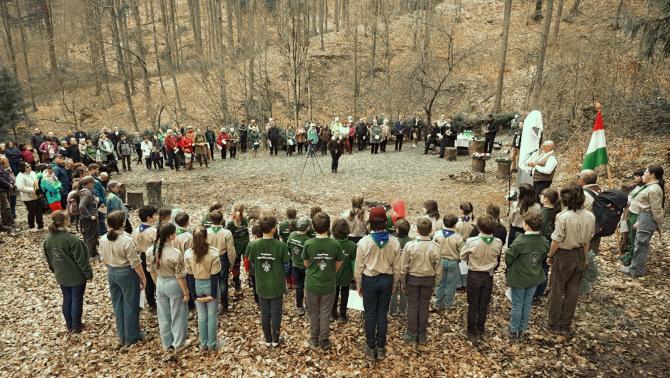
[622, 327]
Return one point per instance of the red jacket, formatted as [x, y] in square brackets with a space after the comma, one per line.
[171, 142]
[223, 136]
[27, 156]
[186, 145]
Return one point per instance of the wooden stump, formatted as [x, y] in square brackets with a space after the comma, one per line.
[476, 146]
[135, 199]
[503, 169]
[122, 192]
[154, 197]
[478, 165]
[451, 153]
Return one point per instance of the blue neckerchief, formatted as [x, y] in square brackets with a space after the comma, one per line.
[381, 238]
[465, 218]
[447, 233]
[144, 227]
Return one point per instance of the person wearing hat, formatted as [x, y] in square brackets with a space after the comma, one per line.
[222, 140]
[186, 145]
[233, 140]
[296, 243]
[243, 130]
[200, 146]
[63, 176]
[115, 203]
[88, 212]
[376, 271]
[171, 149]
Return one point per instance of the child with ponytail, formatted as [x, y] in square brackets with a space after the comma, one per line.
[239, 226]
[202, 261]
[125, 277]
[167, 267]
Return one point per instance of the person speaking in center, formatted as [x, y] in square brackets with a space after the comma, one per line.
[543, 168]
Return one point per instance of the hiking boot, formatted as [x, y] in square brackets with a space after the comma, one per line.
[313, 343]
[325, 344]
[410, 337]
[343, 318]
[277, 343]
[381, 353]
[422, 339]
[369, 353]
[514, 337]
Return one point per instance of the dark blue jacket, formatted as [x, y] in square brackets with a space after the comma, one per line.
[63, 177]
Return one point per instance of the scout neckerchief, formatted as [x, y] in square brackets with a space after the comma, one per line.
[487, 239]
[144, 227]
[181, 231]
[465, 218]
[381, 238]
[642, 189]
[216, 229]
[447, 233]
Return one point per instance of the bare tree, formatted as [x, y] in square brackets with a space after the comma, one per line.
[170, 46]
[116, 40]
[156, 51]
[539, 71]
[8, 37]
[48, 25]
[196, 24]
[574, 12]
[141, 50]
[229, 24]
[557, 24]
[497, 103]
[25, 54]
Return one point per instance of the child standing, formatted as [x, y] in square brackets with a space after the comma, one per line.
[248, 266]
[377, 269]
[144, 236]
[451, 243]
[465, 226]
[340, 233]
[420, 271]
[202, 261]
[288, 225]
[398, 305]
[222, 239]
[481, 253]
[239, 227]
[268, 257]
[184, 239]
[296, 244]
[432, 212]
[524, 272]
[323, 259]
[551, 205]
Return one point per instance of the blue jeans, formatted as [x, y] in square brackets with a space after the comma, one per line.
[376, 298]
[172, 312]
[73, 305]
[124, 286]
[522, 300]
[446, 288]
[207, 315]
[102, 226]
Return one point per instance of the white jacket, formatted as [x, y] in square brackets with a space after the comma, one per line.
[146, 147]
[25, 183]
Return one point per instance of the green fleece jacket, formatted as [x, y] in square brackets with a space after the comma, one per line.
[67, 258]
[524, 260]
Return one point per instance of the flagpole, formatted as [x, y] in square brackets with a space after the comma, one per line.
[609, 176]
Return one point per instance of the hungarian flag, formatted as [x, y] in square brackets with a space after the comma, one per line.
[596, 154]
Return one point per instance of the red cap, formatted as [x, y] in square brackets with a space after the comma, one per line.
[377, 213]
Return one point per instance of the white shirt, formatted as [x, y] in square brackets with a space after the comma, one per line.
[25, 183]
[549, 165]
[146, 147]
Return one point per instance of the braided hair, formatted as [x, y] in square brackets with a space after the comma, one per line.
[200, 246]
[164, 232]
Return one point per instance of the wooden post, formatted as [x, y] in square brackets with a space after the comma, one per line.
[503, 168]
[135, 199]
[478, 164]
[609, 177]
[154, 197]
[451, 153]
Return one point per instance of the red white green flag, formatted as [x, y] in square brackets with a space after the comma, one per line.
[596, 154]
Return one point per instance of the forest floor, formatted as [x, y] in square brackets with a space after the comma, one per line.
[622, 327]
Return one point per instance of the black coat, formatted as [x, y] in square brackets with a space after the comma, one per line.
[36, 140]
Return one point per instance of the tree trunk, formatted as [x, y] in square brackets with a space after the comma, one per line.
[8, 38]
[321, 21]
[356, 79]
[122, 17]
[538, 10]
[537, 85]
[238, 20]
[196, 25]
[497, 103]
[617, 17]
[251, 50]
[25, 55]
[229, 22]
[97, 19]
[46, 12]
[176, 35]
[574, 12]
[557, 25]
[169, 45]
[116, 40]
[373, 46]
[92, 47]
[156, 51]
[336, 17]
[345, 13]
[141, 50]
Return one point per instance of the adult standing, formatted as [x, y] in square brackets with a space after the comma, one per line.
[171, 149]
[386, 132]
[210, 136]
[543, 168]
[336, 147]
[324, 138]
[375, 137]
[37, 139]
[73, 151]
[222, 141]
[570, 240]
[64, 177]
[516, 146]
[449, 133]
[649, 205]
[13, 155]
[124, 151]
[273, 137]
[362, 134]
[106, 148]
[88, 215]
[301, 138]
[417, 128]
[115, 203]
[588, 179]
[25, 183]
[242, 131]
[125, 277]
[6, 186]
[377, 270]
[67, 258]
[290, 140]
[525, 205]
[490, 131]
[233, 140]
[115, 136]
[399, 133]
[137, 142]
[201, 148]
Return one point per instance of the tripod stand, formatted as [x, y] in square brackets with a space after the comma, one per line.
[315, 161]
